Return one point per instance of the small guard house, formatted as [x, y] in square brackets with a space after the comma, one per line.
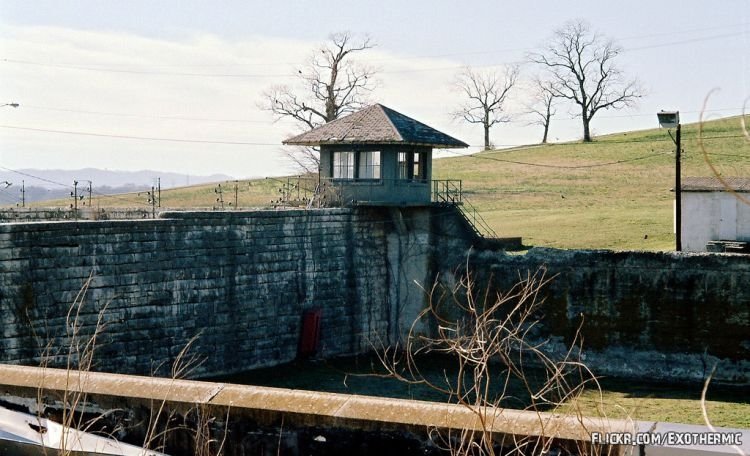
[380, 157]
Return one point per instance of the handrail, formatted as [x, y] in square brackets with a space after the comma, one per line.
[475, 219]
[315, 191]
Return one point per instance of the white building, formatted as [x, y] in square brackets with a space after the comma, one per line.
[714, 211]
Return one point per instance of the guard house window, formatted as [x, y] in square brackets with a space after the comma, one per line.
[403, 165]
[343, 165]
[411, 166]
[418, 167]
[369, 165]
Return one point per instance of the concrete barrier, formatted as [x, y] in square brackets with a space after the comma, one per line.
[317, 415]
[305, 412]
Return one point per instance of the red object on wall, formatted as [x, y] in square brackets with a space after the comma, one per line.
[309, 334]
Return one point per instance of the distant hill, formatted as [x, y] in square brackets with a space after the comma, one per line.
[44, 184]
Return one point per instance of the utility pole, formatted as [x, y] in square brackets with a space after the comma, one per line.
[23, 193]
[152, 200]
[74, 195]
[236, 192]
[678, 193]
[220, 199]
[670, 119]
[158, 186]
[89, 190]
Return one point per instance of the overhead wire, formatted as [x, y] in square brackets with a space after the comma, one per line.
[68, 186]
[88, 67]
[545, 165]
[247, 143]
[146, 116]
[142, 138]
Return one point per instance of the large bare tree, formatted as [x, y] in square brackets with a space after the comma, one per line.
[542, 105]
[485, 94]
[329, 85]
[581, 65]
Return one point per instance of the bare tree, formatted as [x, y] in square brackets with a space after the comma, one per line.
[329, 85]
[486, 93]
[581, 65]
[542, 106]
[488, 343]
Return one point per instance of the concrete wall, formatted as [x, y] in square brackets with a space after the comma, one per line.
[645, 314]
[712, 216]
[240, 281]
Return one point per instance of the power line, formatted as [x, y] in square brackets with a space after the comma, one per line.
[542, 165]
[36, 177]
[146, 72]
[728, 155]
[686, 41]
[88, 67]
[118, 114]
[68, 187]
[141, 138]
[242, 143]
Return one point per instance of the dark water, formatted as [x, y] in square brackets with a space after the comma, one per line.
[365, 375]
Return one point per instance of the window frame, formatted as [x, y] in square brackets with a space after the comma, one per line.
[355, 167]
[350, 166]
[409, 161]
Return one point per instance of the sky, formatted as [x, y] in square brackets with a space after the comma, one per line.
[175, 85]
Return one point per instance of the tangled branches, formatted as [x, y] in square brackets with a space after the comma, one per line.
[492, 343]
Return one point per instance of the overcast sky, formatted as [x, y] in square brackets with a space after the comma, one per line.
[91, 75]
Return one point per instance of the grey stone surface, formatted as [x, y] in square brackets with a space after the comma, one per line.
[238, 281]
[654, 315]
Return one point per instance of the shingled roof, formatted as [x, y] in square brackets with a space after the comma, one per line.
[712, 184]
[376, 124]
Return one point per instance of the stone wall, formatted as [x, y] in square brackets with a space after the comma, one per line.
[652, 315]
[85, 213]
[239, 281]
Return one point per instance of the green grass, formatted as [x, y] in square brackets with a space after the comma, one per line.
[621, 206]
[618, 206]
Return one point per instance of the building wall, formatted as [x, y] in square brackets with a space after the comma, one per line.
[711, 216]
[389, 190]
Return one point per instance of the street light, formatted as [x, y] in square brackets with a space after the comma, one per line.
[671, 119]
[12, 105]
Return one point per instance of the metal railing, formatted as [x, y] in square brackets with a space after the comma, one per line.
[315, 192]
[478, 223]
[447, 191]
[307, 191]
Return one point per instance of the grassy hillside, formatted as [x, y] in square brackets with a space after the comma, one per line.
[627, 205]
[555, 195]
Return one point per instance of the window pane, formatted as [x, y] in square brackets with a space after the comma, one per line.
[403, 165]
[343, 165]
[369, 165]
[417, 166]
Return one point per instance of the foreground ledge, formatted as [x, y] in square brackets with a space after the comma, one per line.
[319, 410]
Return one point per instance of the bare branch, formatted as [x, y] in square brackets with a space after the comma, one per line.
[330, 84]
[542, 105]
[489, 340]
[580, 62]
[487, 93]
